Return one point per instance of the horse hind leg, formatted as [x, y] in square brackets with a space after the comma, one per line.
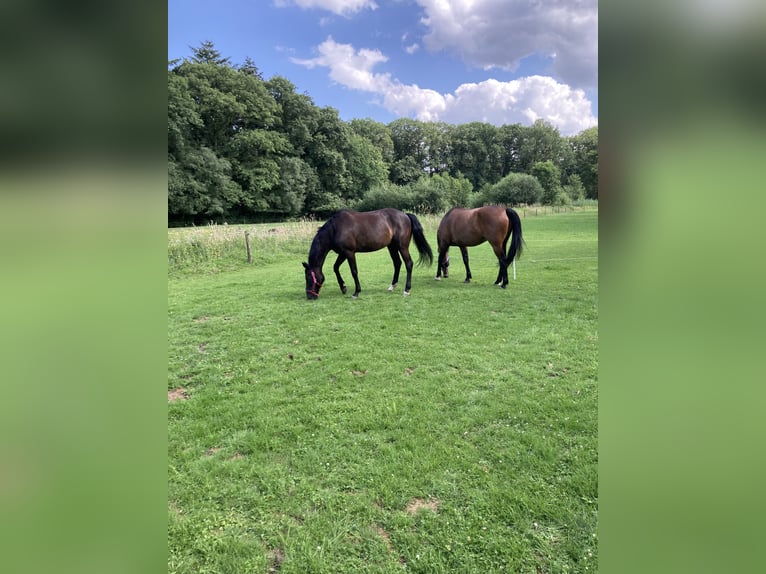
[502, 273]
[408, 266]
[394, 252]
[355, 274]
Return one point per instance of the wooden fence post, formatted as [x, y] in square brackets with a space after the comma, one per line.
[247, 244]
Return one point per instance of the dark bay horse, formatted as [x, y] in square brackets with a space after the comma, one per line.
[348, 232]
[468, 227]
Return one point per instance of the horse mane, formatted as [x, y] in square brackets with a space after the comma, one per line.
[327, 225]
[324, 235]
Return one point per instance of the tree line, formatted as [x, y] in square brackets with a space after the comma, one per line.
[244, 148]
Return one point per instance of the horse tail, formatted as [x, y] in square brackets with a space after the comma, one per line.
[517, 242]
[424, 249]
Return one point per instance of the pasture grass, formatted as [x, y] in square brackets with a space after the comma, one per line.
[451, 431]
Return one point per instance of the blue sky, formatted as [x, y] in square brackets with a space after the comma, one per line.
[457, 61]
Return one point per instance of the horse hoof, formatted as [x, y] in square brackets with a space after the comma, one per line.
[391, 287]
[343, 290]
[355, 296]
[437, 278]
[467, 281]
[406, 293]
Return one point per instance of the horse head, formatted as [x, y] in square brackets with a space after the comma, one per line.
[314, 280]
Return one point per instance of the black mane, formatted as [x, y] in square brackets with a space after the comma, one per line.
[323, 240]
[326, 226]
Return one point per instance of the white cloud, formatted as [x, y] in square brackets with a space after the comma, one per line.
[522, 101]
[340, 7]
[412, 48]
[500, 33]
[348, 67]
[519, 101]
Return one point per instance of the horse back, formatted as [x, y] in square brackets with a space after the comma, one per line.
[469, 227]
[366, 231]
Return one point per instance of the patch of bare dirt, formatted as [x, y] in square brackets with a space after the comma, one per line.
[389, 545]
[201, 319]
[276, 557]
[177, 394]
[386, 537]
[177, 510]
[417, 504]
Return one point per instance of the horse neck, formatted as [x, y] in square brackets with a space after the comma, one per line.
[320, 247]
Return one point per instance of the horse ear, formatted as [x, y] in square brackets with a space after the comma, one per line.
[305, 265]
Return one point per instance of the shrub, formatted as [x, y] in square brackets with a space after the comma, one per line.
[387, 195]
[513, 189]
[574, 188]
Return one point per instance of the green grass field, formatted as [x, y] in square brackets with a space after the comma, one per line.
[451, 431]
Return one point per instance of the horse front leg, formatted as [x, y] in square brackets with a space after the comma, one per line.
[464, 253]
[338, 262]
[394, 253]
[442, 264]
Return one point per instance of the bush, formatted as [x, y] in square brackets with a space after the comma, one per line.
[438, 193]
[513, 189]
[574, 188]
[387, 195]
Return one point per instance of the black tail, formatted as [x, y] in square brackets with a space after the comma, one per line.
[424, 249]
[517, 242]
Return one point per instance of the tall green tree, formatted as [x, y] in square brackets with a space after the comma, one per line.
[475, 151]
[510, 139]
[378, 134]
[202, 185]
[540, 142]
[410, 154]
[206, 53]
[327, 155]
[256, 155]
[365, 165]
[549, 176]
[574, 188]
[297, 181]
[585, 151]
[298, 116]
[183, 118]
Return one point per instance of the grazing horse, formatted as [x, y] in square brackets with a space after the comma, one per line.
[468, 227]
[348, 232]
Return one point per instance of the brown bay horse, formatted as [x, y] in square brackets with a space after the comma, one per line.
[350, 232]
[465, 228]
